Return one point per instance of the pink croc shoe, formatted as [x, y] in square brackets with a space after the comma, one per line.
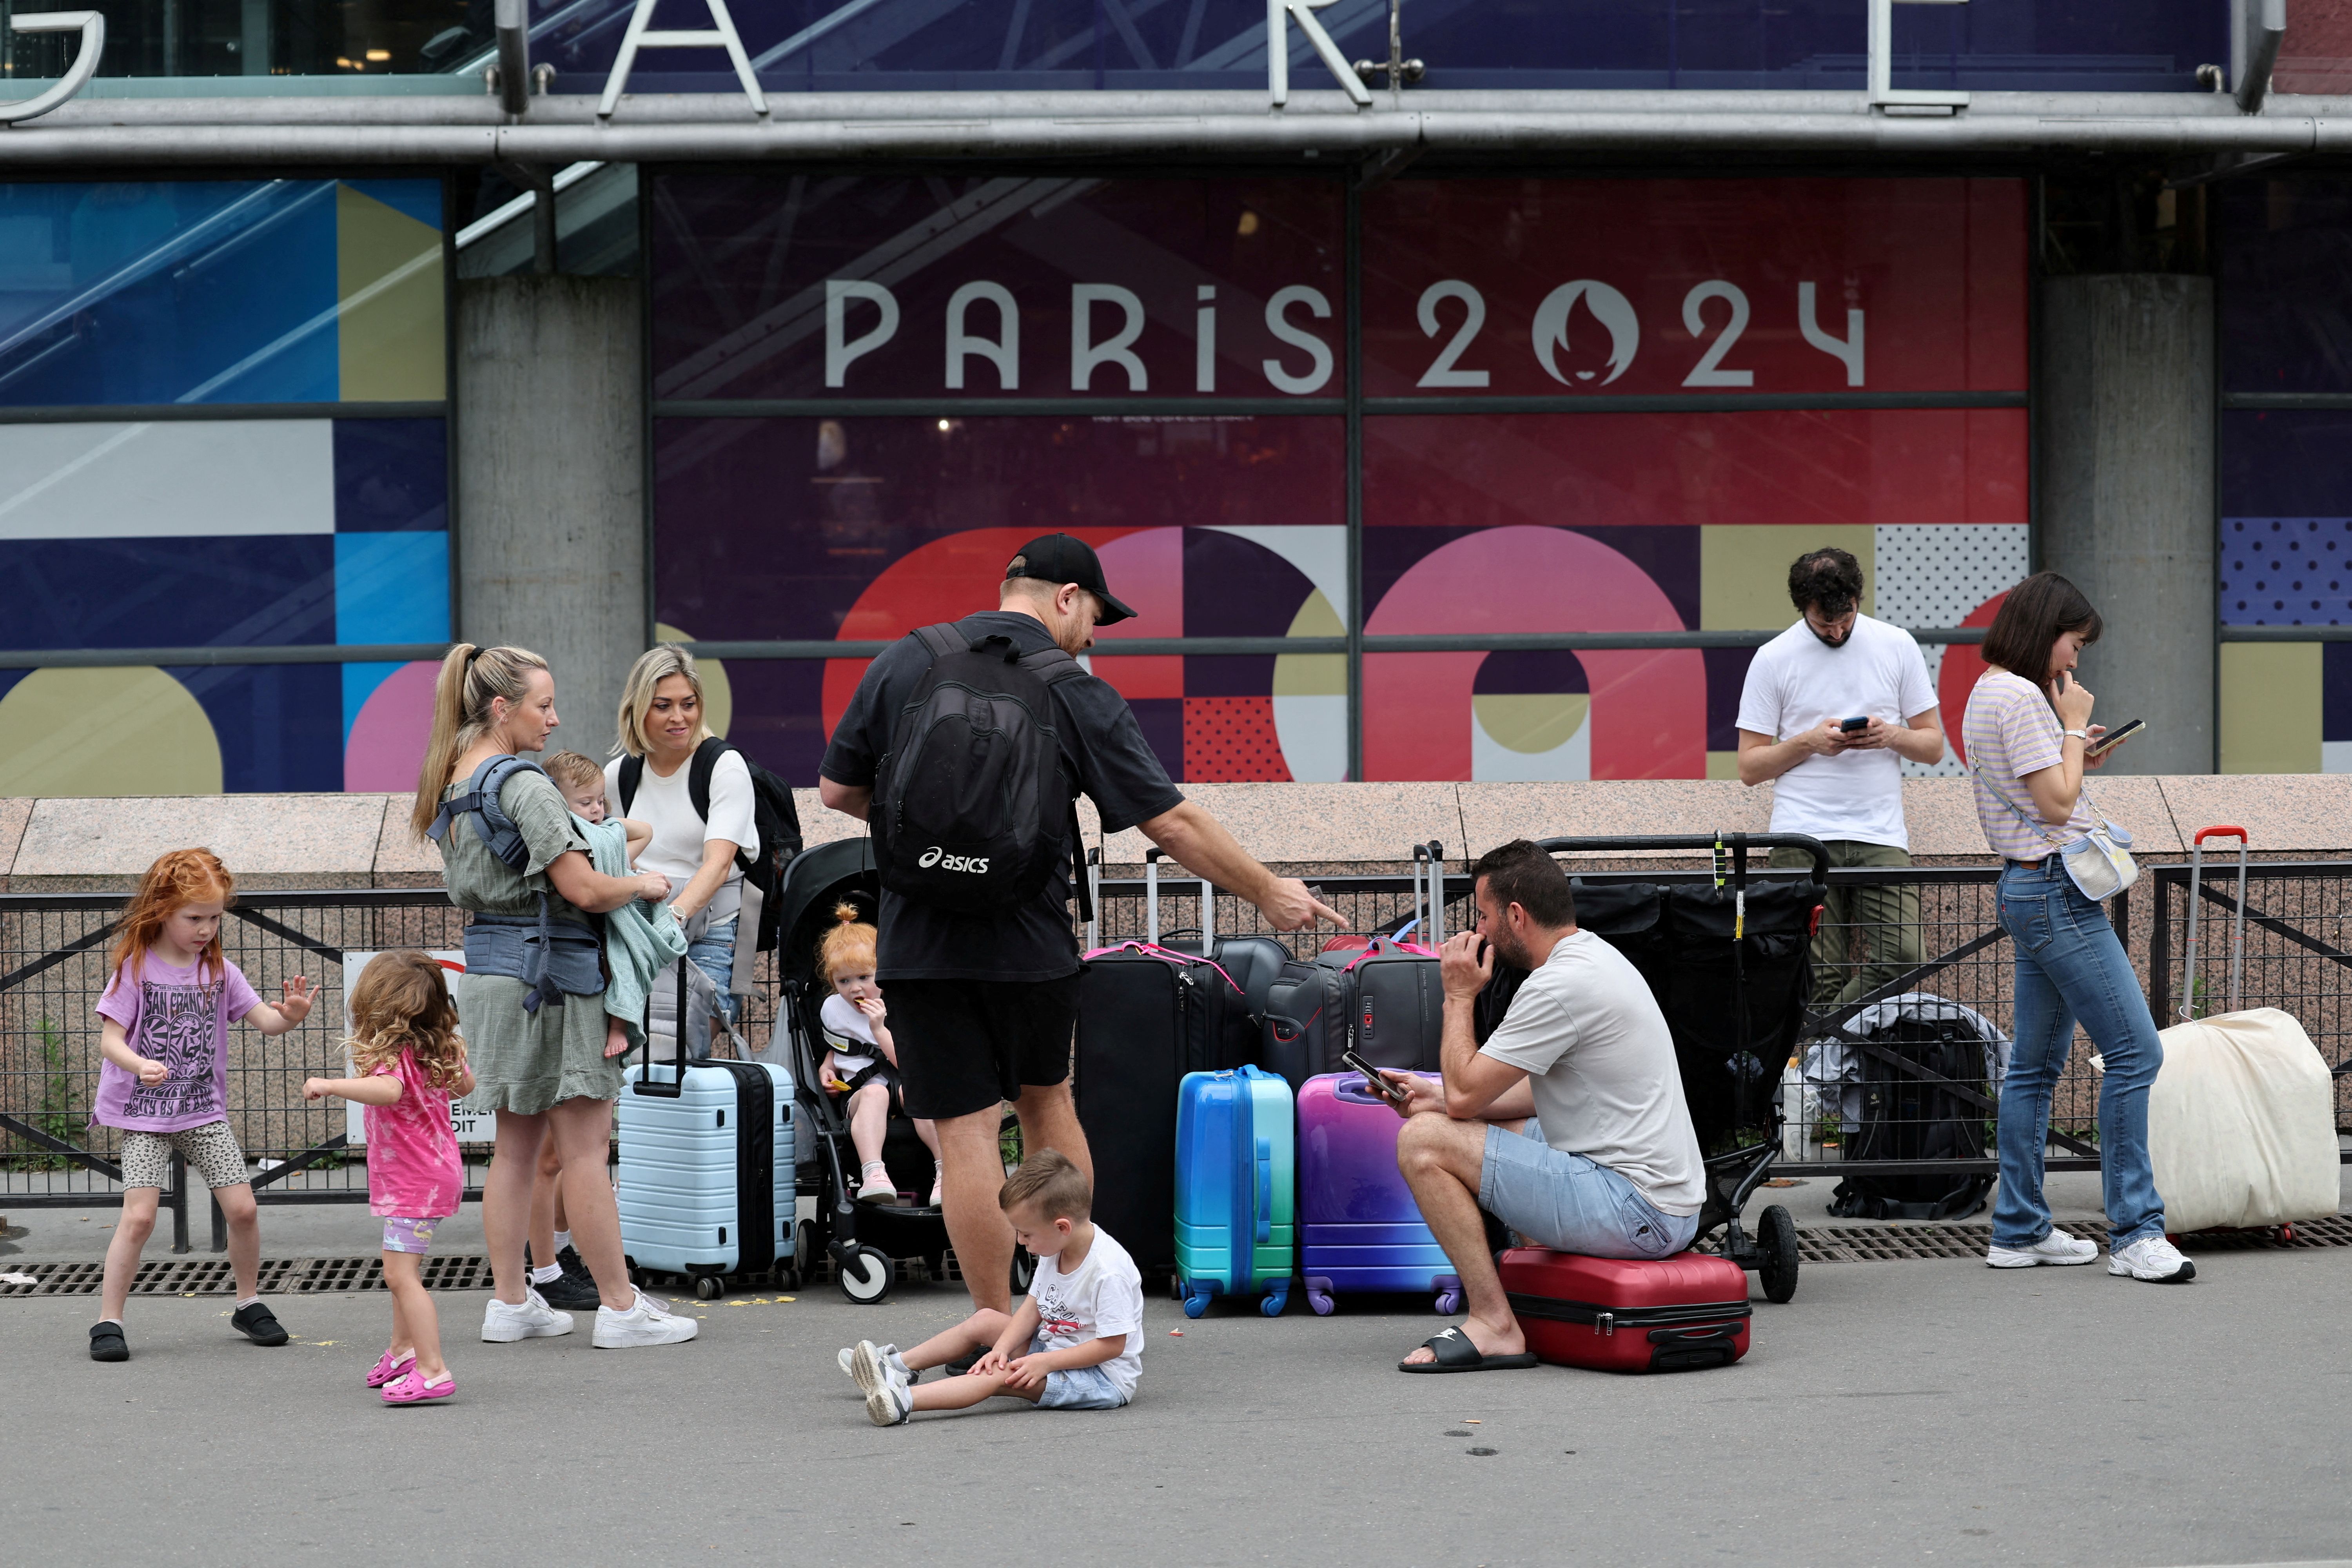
[412, 1389]
[387, 1368]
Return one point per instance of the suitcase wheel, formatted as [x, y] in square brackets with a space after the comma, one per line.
[1275, 1300]
[1196, 1297]
[709, 1286]
[1449, 1296]
[1318, 1296]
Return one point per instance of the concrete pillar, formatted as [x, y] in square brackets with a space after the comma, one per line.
[2125, 409]
[550, 483]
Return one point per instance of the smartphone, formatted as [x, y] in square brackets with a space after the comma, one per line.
[2115, 737]
[1851, 725]
[1372, 1078]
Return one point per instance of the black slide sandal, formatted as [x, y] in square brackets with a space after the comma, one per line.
[1455, 1352]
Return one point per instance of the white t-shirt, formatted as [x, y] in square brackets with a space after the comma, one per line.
[1105, 1297]
[1589, 1034]
[663, 804]
[1794, 683]
[848, 1035]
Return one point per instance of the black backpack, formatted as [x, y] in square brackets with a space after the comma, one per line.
[773, 813]
[1923, 1097]
[972, 806]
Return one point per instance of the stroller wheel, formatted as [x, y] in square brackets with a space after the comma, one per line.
[866, 1275]
[1776, 1243]
[1025, 1269]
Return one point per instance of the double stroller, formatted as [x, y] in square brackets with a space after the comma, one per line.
[1728, 956]
[865, 1241]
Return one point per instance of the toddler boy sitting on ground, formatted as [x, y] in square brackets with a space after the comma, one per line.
[1075, 1342]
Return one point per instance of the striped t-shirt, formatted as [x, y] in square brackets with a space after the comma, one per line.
[2011, 731]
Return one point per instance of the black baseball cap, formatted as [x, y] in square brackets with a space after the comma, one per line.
[1058, 558]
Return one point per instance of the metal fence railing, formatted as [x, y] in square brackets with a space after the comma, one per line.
[53, 967]
[1948, 946]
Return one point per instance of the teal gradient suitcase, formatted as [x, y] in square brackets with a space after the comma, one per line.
[1235, 1183]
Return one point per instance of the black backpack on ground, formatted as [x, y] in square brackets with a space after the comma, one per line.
[972, 807]
[1923, 1097]
[773, 813]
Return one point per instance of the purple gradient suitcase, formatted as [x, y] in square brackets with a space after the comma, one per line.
[1358, 1227]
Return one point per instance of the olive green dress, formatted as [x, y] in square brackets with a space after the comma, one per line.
[524, 1062]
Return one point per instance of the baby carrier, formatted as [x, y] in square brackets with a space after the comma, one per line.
[557, 958]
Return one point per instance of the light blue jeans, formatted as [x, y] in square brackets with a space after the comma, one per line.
[1571, 1203]
[2070, 966]
[713, 952]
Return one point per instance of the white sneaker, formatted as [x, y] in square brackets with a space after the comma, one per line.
[533, 1319]
[888, 1403]
[2057, 1247]
[874, 1186]
[871, 1365]
[2152, 1257]
[648, 1323]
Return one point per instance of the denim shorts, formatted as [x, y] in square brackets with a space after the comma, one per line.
[1078, 1388]
[406, 1235]
[1571, 1203]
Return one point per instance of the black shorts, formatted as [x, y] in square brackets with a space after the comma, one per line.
[966, 1045]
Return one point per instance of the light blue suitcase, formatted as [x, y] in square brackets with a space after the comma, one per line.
[1235, 1140]
[707, 1170]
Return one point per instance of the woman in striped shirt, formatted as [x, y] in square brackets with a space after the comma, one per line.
[2028, 732]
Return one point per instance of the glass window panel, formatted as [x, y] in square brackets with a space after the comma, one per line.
[2286, 270]
[747, 302]
[1937, 266]
[220, 291]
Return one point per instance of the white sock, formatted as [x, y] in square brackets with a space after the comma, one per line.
[249, 1302]
[563, 1240]
[543, 1275]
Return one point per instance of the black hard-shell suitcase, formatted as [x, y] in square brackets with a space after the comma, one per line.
[1385, 999]
[1147, 1015]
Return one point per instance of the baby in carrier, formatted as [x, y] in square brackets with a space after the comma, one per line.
[861, 1062]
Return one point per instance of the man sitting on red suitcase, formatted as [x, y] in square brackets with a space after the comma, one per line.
[1568, 1125]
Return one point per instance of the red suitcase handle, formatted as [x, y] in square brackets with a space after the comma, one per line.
[2238, 833]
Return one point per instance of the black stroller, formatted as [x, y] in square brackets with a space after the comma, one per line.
[863, 1239]
[1729, 959]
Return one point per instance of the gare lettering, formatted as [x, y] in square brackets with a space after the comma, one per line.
[1107, 320]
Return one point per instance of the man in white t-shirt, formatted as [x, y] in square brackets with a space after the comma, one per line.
[1837, 781]
[1569, 1125]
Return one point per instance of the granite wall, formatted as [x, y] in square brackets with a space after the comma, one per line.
[364, 841]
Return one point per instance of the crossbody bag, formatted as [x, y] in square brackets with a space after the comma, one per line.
[2099, 863]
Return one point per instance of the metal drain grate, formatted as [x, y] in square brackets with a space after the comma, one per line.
[1910, 1242]
[279, 1276]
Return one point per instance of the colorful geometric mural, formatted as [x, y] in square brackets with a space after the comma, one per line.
[280, 525]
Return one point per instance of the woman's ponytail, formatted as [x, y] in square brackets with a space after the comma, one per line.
[471, 679]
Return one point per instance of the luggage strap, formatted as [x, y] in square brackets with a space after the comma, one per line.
[1607, 1321]
[1153, 949]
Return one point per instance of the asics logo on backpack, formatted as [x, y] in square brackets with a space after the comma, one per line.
[975, 864]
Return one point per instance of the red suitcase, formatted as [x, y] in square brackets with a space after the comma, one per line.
[1679, 1313]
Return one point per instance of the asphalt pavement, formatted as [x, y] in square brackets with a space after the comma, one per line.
[1933, 1412]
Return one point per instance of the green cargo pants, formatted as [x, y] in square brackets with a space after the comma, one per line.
[1869, 935]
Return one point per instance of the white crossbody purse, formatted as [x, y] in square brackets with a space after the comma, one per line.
[2099, 862]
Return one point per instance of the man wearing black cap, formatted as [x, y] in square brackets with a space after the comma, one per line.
[982, 1006]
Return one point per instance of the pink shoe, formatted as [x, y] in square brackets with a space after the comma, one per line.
[413, 1389]
[387, 1368]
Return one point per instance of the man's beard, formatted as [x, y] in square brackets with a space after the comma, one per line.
[1510, 950]
[1825, 640]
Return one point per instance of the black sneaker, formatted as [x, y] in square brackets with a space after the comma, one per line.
[258, 1323]
[962, 1364]
[568, 1259]
[571, 1292]
[107, 1343]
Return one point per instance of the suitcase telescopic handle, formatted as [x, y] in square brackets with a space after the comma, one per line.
[676, 1087]
[2196, 899]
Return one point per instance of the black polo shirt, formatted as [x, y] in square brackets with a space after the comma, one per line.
[1105, 752]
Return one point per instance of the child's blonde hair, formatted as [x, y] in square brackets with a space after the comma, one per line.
[849, 946]
[1051, 1181]
[571, 771]
[178, 877]
[402, 1002]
